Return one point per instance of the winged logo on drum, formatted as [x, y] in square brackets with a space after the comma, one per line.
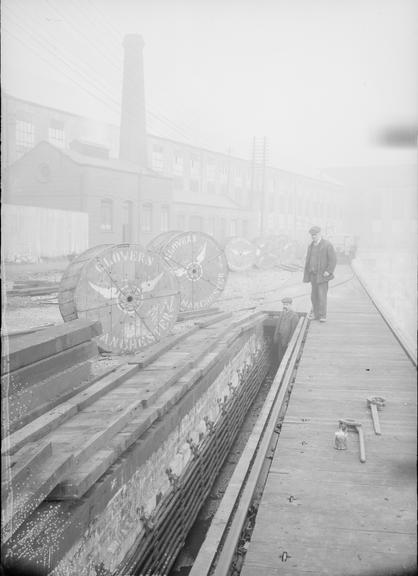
[179, 272]
[149, 285]
[201, 256]
[108, 293]
[113, 291]
[241, 252]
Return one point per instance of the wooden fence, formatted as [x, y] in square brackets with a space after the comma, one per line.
[30, 233]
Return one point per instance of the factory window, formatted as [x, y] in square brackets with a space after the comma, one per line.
[211, 169]
[233, 228]
[181, 221]
[245, 228]
[178, 165]
[210, 187]
[25, 136]
[146, 218]
[165, 218]
[397, 210]
[178, 183]
[194, 186]
[196, 223]
[211, 225]
[157, 158]
[127, 221]
[194, 164]
[222, 228]
[106, 215]
[238, 195]
[56, 133]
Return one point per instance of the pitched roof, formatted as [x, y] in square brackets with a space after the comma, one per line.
[84, 160]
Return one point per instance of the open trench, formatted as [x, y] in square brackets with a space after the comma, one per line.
[181, 523]
[199, 529]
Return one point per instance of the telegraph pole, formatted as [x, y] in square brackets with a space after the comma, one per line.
[258, 176]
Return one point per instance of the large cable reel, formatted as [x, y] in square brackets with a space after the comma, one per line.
[240, 254]
[199, 264]
[130, 290]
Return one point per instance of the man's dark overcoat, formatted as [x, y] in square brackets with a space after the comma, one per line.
[327, 262]
[286, 324]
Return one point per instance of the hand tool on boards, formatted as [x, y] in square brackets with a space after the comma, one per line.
[353, 424]
[340, 440]
[376, 403]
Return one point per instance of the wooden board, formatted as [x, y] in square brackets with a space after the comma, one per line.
[39, 345]
[27, 496]
[19, 380]
[166, 379]
[22, 464]
[52, 419]
[329, 512]
[40, 398]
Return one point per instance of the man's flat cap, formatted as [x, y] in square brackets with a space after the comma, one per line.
[315, 230]
[287, 300]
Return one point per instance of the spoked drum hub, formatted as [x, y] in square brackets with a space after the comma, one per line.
[198, 263]
[194, 271]
[130, 299]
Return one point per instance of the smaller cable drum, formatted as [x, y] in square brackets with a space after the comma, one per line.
[198, 263]
[131, 291]
[157, 243]
[265, 252]
[274, 250]
[240, 254]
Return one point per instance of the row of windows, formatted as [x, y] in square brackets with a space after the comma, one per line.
[214, 225]
[25, 135]
[161, 161]
[107, 219]
[290, 204]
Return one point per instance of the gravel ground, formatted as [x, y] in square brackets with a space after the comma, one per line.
[254, 288]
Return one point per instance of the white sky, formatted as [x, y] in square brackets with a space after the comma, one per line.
[318, 78]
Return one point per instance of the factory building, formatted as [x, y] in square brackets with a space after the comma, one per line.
[134, 185]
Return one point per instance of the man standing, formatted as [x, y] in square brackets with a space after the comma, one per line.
[319, 270]
[286, 324]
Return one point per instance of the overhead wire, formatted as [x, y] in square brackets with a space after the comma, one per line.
[98, 85]
[72, 22]
[51, 50]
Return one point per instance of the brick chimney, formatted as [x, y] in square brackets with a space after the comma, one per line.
[133, 146]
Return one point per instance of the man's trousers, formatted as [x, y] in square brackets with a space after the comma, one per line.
[319, 298]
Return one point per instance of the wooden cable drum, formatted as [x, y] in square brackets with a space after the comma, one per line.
[274, 250]
[265, 253]
[130, 290]
[159, 241]
[200, 266]
[240, 254]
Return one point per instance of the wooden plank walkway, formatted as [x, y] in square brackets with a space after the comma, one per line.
[322, 510]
